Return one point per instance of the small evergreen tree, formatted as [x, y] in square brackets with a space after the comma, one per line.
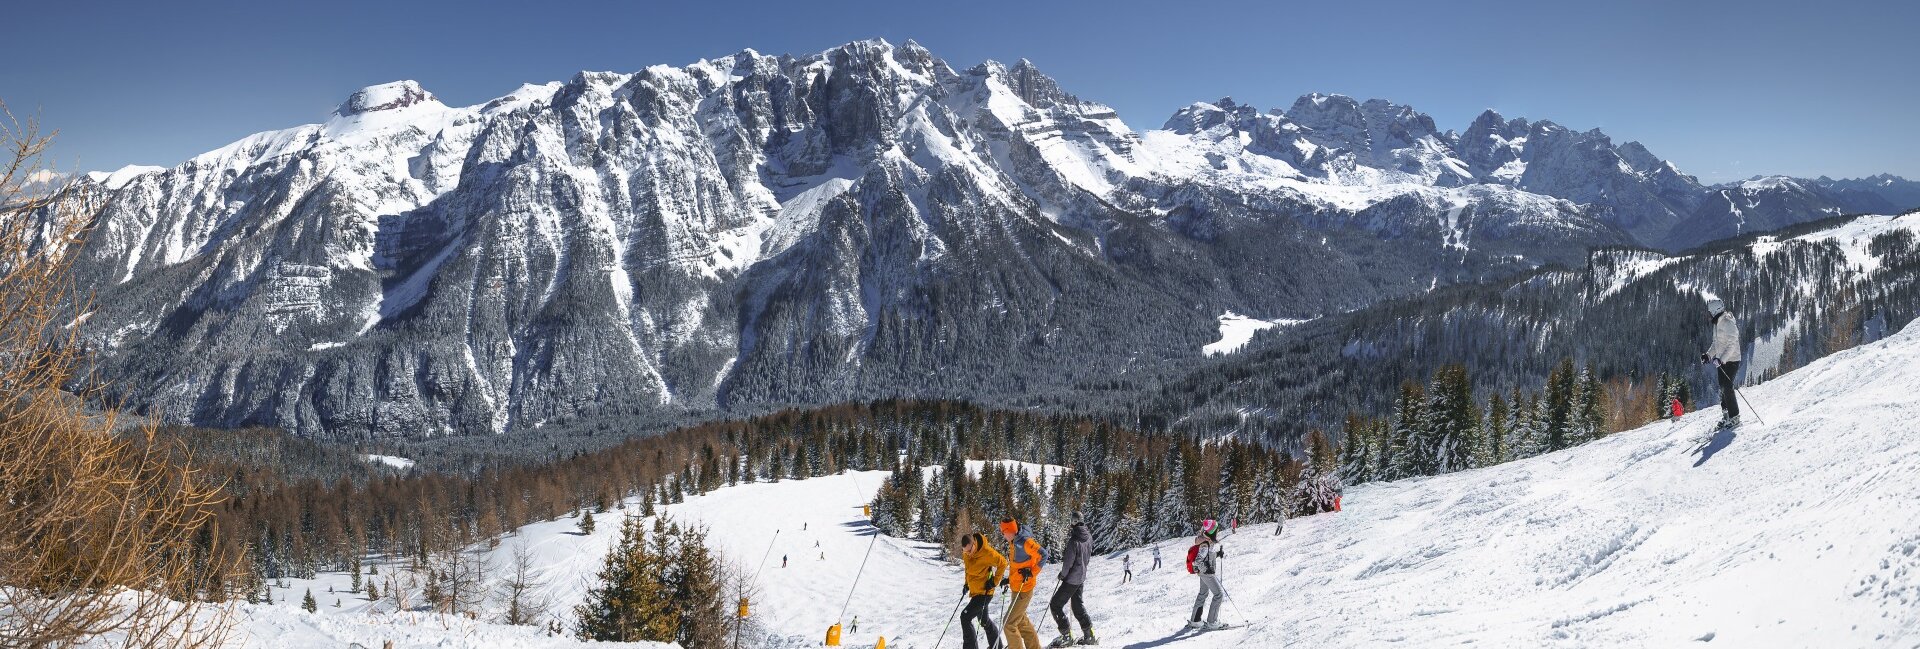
[1356, 451]
[308, 603]
[1591, 417]
[1562, 389]
[1493, 432]
[628, 601]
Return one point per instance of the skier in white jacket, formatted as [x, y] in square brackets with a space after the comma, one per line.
[1724, 354]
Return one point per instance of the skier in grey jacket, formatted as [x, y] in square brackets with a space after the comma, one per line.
[1073, 577]
[1203, 560]
[1724, 354]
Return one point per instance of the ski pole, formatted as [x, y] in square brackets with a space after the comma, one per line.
[1743, 398]
[949, 625]
[1244, 620]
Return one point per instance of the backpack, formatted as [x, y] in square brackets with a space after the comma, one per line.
[1192, 553]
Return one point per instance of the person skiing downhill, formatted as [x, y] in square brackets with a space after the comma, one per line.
[1203, 560]
[982, 574]
[1724, 354]
[1156, 558]
[1023, 571]
[1126, 568]
[1073, 577]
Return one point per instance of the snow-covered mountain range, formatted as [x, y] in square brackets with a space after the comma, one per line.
[759, 230]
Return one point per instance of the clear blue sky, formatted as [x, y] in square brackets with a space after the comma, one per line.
[1726, 89]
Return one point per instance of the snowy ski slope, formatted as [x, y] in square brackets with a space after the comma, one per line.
[1803, 531]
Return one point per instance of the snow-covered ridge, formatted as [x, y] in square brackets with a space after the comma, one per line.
[119, 178]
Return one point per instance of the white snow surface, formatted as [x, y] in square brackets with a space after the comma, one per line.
[1236, 330]
[391, 460]
[1853, 236]
[120, 177]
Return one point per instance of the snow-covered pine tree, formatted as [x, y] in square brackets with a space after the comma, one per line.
[1591, 417]
[1173, 504]
[1356, 450]
[1454, 421]
[1562, 389]
[1528, 435]
[308, 603]
[1133, 523]
[1493, 432]
[1411, 453]
[1319, 484]
[923, 525]
[1663, 396]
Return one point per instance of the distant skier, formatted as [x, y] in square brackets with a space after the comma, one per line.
[1156, 557]
[1724, 354]
[1073, 578]
[1023, 571]
[982, 574]
[1126, 568]
[783, 561]
[1203, 560]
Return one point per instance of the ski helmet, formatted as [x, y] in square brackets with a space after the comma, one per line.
[1715, 306]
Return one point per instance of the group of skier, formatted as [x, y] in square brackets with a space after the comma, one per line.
[1018, 570]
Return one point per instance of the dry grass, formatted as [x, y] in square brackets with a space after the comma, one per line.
[104, 538]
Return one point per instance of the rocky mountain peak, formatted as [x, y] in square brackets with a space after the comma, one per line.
[383, 97]
[1036, 88]
[1200, 116]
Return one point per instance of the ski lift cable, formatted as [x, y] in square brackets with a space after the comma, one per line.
[856, 577]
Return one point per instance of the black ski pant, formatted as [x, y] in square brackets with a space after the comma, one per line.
[1069, 594]
[1729, 403]
[977, 610]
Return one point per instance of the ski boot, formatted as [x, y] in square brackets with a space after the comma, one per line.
[1088, 640]
[1194, 624]
[1062, 641]
[1215, 626]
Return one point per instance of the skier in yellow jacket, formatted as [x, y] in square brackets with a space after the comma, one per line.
[983, 574]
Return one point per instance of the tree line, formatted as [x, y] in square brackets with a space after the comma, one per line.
[1447, 426]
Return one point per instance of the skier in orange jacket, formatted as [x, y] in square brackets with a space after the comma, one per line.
[1023, 571]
